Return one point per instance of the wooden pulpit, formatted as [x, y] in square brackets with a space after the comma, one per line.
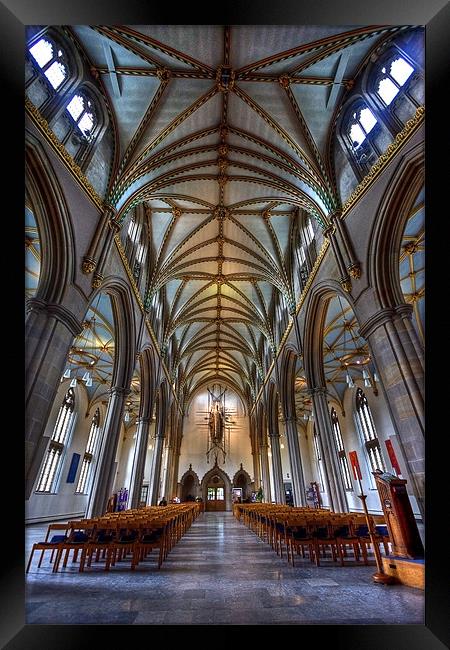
[399, 517]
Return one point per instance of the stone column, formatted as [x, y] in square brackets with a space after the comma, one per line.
[264, 448]
[168, 486]
[140, 454]
[324, 430]
[277, 469]
[105, 469]
[298, 480]
[400, 367]
[255, 454]
[155, 475]
[50, 330]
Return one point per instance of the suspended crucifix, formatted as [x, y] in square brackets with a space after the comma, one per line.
[218, 418]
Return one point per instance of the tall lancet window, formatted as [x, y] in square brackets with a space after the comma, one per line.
[368, 433]
[60, 437]
[94, 431]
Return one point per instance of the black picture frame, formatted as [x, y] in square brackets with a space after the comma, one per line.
[435, 14]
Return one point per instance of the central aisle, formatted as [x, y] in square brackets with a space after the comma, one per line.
[220, 573]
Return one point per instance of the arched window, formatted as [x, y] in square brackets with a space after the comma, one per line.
[79, 127]
[89, 454]
[368, 433]
[394, 77]
[361, 131]
[397, 87]
[48, 74]
[52, 61]
[341, 450]
[58, 442]
[306, 249]
[81, 110]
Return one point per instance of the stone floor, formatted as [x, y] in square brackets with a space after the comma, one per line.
[219, 573]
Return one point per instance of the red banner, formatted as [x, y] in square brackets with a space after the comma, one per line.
[393, 457]
[355, 464]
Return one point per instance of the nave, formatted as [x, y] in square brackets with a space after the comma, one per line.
[220, 573]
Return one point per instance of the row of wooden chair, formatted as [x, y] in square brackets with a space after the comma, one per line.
[116, 537]
[314, 532]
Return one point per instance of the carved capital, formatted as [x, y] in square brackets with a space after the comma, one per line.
[337, 214]
[88, 265]
[346, 284]
[114, 225]
[119, 391]
[405, 310]
[58, 312]
[374, 322]
[329, 231]
[97, 281]
[143, 420]
[354, 270]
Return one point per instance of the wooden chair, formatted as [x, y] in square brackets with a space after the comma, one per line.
[50, 543]
[323, 536]
[345, 536]
[151, 535]
[299, 537]
[80, 534]
[99, 544]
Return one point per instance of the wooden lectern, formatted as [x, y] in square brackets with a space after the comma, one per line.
[399, 517]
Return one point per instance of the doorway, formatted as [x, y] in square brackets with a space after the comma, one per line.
[215, 494]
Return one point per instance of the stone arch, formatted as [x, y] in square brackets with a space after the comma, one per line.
[385, 239]
[45, 195]
[189, 484]
[147, 371]
[243, 480]
[162, 409]
[315, 318]
[226, 479]
[124, 329]
[273, 401]
[287, 378]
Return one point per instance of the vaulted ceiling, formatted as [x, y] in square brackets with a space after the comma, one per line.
[224, 133]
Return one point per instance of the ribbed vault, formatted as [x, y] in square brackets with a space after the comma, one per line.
[223, 135]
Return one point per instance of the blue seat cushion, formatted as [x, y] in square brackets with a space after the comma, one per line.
[56, 539]
[381, 529]
[343, 531]
[362, 531]
[79, 538]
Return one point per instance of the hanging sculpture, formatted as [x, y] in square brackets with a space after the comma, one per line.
[218, 418]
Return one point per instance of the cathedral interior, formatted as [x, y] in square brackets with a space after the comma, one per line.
[225, 323]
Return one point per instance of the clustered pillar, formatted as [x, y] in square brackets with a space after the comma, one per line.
[324, 430]
[298, 480]
[106, 466]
